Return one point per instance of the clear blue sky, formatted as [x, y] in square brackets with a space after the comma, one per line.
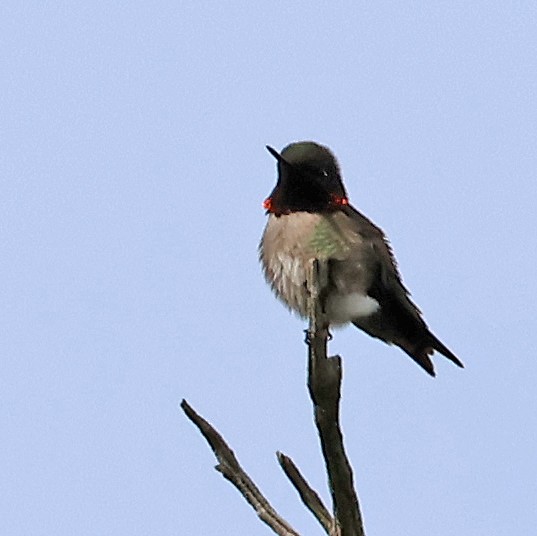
[132, 172]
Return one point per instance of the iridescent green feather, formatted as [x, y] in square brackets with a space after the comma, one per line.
[326, 241]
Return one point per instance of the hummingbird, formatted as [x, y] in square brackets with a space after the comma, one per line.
[310, 217]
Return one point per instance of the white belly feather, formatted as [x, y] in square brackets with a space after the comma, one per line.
[341, 309]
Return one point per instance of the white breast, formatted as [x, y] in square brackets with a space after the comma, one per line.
[285, 255]
[286, 251]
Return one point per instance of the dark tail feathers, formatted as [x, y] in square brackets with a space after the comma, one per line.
[421, 352]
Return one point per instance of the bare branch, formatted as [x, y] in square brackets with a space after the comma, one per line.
[308, 495]
[324, 383]
[230, 468]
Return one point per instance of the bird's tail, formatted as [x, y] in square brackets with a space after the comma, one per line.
[420, 352]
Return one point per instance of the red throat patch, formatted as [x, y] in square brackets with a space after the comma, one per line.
[338, 200]
[335, 202]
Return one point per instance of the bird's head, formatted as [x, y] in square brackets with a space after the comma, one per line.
[309, 180]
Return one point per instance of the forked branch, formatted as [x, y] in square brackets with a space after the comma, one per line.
[324, 383]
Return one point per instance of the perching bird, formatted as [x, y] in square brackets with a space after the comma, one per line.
[309, 216]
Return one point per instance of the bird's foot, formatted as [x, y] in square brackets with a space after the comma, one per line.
[309, 335]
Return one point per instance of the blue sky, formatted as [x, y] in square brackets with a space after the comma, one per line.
[132, 173]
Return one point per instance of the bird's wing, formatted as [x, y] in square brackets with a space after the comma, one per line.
[399, 320]
[387, 280]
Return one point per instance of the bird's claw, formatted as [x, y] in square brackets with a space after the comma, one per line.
[308, 336]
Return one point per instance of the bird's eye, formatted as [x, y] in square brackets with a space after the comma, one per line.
[324, 173]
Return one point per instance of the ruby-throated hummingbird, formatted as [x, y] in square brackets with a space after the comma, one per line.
[309, 217]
